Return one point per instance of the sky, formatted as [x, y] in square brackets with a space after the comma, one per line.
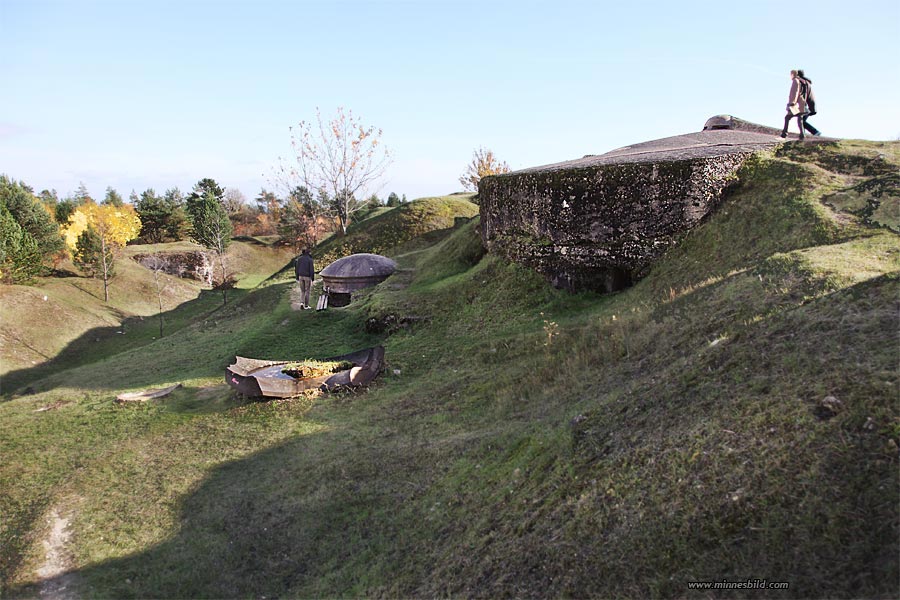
[137, 94]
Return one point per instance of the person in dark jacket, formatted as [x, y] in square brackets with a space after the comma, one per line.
[810, 103]
[305, 273]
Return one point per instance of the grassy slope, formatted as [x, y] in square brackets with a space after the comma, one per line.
[389, 230]
[73, 325]
[523, 441]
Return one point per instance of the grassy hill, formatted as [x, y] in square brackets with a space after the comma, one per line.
[732, 416]
[63, 321]
[392, 230]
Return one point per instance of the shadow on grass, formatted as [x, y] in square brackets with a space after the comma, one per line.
[251, 240]
[347, 511]
[110, 426]
[205, 338]
[103, 342]
[283, 518]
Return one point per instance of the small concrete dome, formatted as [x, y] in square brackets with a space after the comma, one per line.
[357, 271]
[719, 122]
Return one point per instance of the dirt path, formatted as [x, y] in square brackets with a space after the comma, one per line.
[295, 297]
[56, 582]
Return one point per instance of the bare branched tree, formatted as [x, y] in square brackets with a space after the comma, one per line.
[339, 159]
[233, 201]
[157, 265]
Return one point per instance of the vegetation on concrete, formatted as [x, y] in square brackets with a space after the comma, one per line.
[732, 416]
[315, 368]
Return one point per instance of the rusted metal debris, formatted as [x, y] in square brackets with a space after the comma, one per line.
[265, 378]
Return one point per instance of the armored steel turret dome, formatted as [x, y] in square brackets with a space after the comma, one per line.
[356, 271]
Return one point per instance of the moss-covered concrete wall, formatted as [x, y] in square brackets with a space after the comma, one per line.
[594, 226]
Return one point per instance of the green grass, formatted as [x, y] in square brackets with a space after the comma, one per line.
[63, 322]
[399, 229]
[521, 442]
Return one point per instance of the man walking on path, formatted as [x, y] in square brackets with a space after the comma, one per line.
[306, 273]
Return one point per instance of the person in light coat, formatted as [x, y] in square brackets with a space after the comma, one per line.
[796, 106]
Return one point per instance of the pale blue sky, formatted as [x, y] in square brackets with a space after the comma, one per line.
[135, 94]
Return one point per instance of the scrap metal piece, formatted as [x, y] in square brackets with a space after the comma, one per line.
[264, 378]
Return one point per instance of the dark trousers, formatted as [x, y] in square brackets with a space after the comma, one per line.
[801, 122]
[810, 111]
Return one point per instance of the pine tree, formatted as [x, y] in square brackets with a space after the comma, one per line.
[20, 256]
[113, 198]
[36, 236]
[297, 221]
[210, 225]
[92, 256]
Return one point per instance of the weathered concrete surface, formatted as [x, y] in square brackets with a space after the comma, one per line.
[599, 222]
[356, 272]
[188, 265]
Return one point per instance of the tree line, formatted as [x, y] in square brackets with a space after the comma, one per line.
[299, 217]
[335, 161]
[38, 230]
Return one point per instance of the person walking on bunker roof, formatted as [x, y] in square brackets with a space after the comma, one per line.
[796, 106]
[305, 272]
[810, 103]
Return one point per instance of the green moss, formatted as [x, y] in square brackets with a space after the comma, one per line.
[888, 214]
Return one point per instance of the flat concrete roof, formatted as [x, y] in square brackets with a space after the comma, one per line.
[736, 136]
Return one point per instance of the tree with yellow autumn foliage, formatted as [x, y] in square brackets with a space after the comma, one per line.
[95, 234]
[483, 163]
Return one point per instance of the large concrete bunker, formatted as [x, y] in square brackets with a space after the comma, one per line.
[599, 222]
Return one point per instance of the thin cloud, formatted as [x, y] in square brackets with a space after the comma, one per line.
[12, 130]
